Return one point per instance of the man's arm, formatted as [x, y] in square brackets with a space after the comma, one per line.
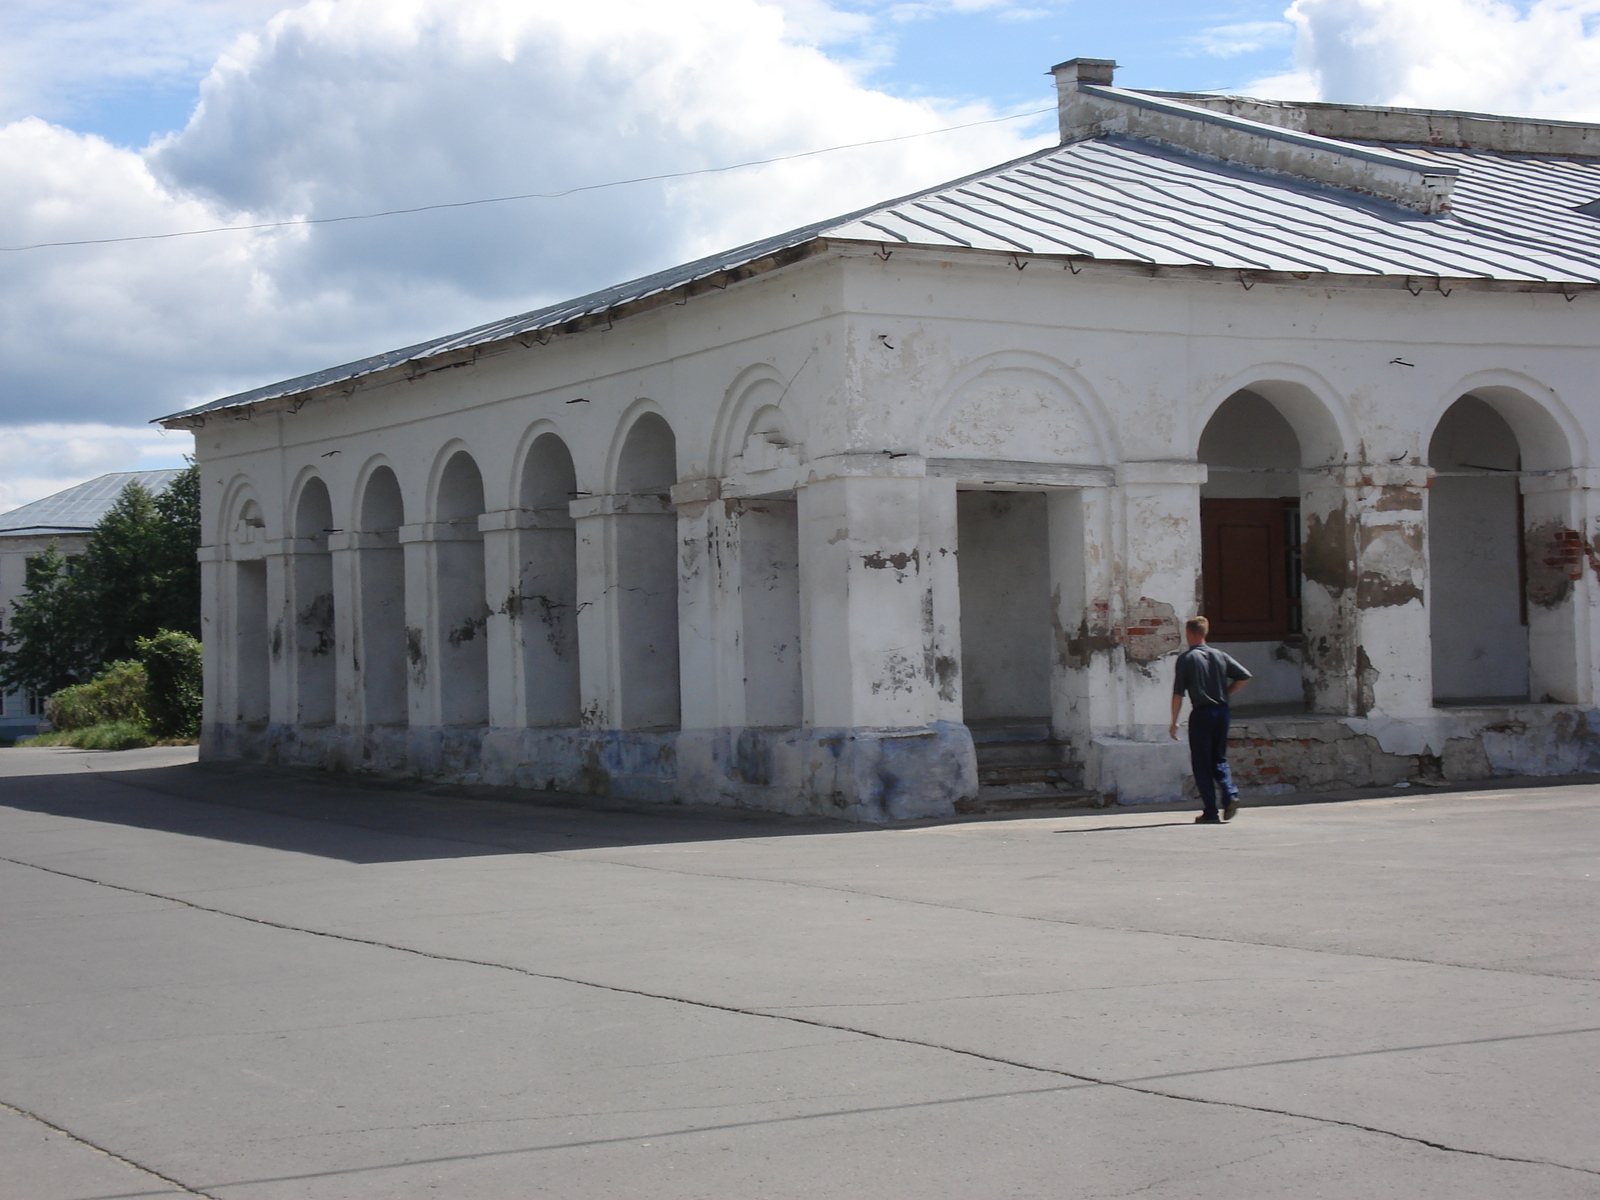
[1234, 687]
[1177, 705]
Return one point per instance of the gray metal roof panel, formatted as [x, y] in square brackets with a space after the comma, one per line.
[78, 509]
[1514, 218]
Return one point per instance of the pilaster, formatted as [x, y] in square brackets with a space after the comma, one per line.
[1364, 604]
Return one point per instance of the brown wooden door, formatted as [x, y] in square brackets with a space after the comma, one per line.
[1244, 567]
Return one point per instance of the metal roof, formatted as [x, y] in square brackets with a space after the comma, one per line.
[1514, 219]
[78, 509]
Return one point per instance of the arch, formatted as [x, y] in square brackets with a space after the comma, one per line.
[379, 642]
[313, 508]
[756, 390]
[1547, 433]
[547, 476]
[646, 457]
[311, 603]
[460, 634]
[544, 620]
[380, 504]
[1315, 410]
[457, 491]
[236, 497]
[1056, 414]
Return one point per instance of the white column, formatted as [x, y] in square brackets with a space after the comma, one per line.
[423, 708]
[1086, 696]
[216, 630]
[349, 702]
[502, 569]
[279, 556]
[880, 641]
[1559, 514]
[1368, 641]
[1140, 580]
[710, 610]
[862, 588]
[598, 671]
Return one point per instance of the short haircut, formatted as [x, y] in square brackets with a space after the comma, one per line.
[1197, 625]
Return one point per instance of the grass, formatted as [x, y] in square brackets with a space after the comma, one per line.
[108, 735]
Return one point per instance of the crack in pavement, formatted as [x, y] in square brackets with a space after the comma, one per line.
[768, 1015]
[581, 855]
[111, 1154]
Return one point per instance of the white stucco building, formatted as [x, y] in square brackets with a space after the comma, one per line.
[900, 514]
[63, 520]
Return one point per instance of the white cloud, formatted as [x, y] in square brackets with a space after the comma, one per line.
[39, 460]
[56, 56]
[1226, 41]
[1539, 58]
[349, 106]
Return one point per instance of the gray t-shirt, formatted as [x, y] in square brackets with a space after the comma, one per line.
[1204, 673]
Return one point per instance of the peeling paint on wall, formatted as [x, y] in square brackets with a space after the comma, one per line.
[1555, 559]
[1151, 630]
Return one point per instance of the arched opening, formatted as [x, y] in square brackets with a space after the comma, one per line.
[250, 621]
[1476, 599]
[647, 576]
[380, 651]
[463, 613]
[312, 604]
[546, 621]
[1250, 546]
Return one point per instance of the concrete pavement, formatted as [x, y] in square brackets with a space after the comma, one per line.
[237, 984]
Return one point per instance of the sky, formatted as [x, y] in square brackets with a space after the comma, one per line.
[123, 118]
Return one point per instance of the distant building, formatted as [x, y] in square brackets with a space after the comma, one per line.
[65, 520]
[899, 514]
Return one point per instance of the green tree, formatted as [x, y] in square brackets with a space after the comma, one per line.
[44, 644]
[117, 576]
[138, 574]
[178, 570]
[136, 577]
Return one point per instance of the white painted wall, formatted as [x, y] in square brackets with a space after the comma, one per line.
[873, 388]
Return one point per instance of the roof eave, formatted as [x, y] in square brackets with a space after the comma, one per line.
[417, 366]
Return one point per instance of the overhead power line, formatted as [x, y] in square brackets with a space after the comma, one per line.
[588, 187]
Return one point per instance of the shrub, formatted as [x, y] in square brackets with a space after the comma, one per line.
[172, 666]
[108, 735]
[118, 693]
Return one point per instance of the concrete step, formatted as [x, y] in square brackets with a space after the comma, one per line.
[1027, 798]
[984, 732]
[1013, 753]
[1043, 772]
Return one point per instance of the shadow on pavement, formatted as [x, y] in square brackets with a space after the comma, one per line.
[363, 821]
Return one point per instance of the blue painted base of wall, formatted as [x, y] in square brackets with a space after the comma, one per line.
[869, 775]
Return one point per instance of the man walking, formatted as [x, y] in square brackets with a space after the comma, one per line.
[1208, 677]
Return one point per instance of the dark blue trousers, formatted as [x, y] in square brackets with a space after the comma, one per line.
[1208, 754]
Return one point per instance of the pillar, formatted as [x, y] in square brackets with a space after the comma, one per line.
[1559, 516]
[344, 549]
[880, 639]
[1364, 604]
[1141, 550]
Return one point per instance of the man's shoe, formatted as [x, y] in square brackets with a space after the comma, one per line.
[1230, 809]
[1208, 819]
